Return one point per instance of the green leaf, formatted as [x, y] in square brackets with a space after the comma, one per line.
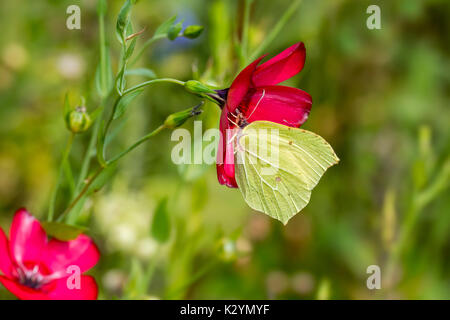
[277, 167]
[144, 72]
[130, 49]
[62, 231]
[104, 77]
[161, 222]
[164, 27]
[102, 178]
[132, 289]
[124, 102]
[67, 107]
[73, 216]
[123, 20]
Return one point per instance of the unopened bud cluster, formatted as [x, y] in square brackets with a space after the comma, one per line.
[78, 120]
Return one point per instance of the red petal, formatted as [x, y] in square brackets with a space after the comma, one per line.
[5, 259]
[22, 292]
[81, 252]
[27, 238]
[285, 105]
[225, 164]
[240, 85]
[88, 290]
[281, 67]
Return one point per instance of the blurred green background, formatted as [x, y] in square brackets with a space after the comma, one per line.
[381, 98]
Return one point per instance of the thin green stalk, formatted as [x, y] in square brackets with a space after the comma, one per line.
[102, 42]
[88, 155]
[419, 201]
[81, 194]
[148, 274]
[130, 90]
[193, 279]
[110, 119]
[51, 209]
[147, 83]
[148, 43]
[101, 168]
[137, 143]
[69, 176]
[245, 27]
[275, 30]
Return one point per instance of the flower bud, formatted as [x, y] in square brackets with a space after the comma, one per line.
[192, 32]
[227, 249]
[197, 87]
[177, 119]
[78, 120]
[174, 31]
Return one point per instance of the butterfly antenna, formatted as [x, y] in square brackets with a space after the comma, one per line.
[232, 138]
[232, 122]
[257, 104]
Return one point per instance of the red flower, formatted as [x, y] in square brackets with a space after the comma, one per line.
[35, 268]
[254, 96]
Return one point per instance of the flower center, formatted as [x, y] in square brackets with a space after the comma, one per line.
[30, 278]
[34, 276]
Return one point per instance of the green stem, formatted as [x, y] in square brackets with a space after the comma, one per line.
[51, 209]
[110, 119]
[100, 169]
[130, 90]
[245, 27]
[102, 43]
[419, 201]
[81, 194]
[148, 275]
[88, 155]
[69, 176]
[137, 143]
[147, 83]
[145, 46]
[193, 279]
[275, 30]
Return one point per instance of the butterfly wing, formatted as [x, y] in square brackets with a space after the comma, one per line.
[278, 166]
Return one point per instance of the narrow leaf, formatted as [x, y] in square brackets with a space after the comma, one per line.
[125, 102]
[67, 107]
[144, 72]
[164, 27]
[104, 78]
[62, 231]
[161, 222]
[130, 48]
[122, 21]
[102, 178]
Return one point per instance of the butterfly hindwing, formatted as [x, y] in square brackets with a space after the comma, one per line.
[278, 166]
